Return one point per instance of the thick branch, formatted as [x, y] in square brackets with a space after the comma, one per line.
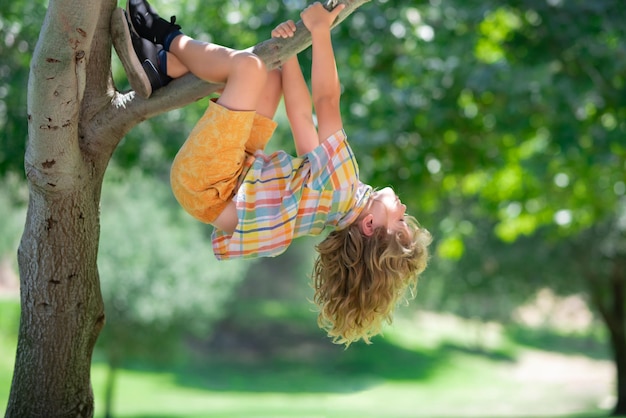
[132, 109]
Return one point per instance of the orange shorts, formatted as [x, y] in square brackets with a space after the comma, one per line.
[207, 167]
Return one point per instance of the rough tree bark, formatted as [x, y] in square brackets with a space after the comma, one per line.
[608, 294]
[599, 253]
[76, 119]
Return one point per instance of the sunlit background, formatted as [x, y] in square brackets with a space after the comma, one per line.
[501, 124]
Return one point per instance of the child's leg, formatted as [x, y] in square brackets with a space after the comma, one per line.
[271, 94]
[247, 87]
[243, 72]
[263, 126]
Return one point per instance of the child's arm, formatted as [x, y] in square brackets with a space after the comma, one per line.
[324, 77]
[297, 97]
[299, 107]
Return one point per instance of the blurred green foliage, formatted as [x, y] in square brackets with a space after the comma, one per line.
[20, 22]
[156, 262]
[493, 120]
[13, 197]
[501, 124]
[159, 278]
[506, 110]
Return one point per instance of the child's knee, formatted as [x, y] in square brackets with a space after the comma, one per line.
[251, 65]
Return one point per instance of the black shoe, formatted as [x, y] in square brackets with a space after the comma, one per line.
[148, 24]
[139, 56]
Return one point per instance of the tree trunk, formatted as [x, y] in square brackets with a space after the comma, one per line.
[617, 329]
[62, 310]
[618, 344]
[76, 118]
[606, 281]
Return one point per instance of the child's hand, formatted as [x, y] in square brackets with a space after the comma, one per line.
[317, 17]
[284, 30]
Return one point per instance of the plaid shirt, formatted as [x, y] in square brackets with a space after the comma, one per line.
[281, 197]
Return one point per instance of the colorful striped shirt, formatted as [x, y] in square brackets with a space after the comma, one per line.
[281, 197]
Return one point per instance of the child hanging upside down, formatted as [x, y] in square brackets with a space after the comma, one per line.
[259, 203]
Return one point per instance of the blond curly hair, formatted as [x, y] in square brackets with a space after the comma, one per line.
[358, 279]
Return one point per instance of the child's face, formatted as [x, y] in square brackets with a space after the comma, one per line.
[387, 210]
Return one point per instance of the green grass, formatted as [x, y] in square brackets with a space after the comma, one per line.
[434, 368]
[466, 387]
[9, 320]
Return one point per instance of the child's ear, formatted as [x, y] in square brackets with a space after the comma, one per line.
[366, 224]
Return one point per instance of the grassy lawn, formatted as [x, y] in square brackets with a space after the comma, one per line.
[468, 388]
[431, 369]
[9, 319]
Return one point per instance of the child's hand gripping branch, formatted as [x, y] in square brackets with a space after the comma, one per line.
[324, 78]
[325, 81]
[259, 203]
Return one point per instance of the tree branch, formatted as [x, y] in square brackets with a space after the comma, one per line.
[130, 109]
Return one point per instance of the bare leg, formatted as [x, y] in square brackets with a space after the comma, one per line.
[271, 95]
[243, 72]
[175, 68]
